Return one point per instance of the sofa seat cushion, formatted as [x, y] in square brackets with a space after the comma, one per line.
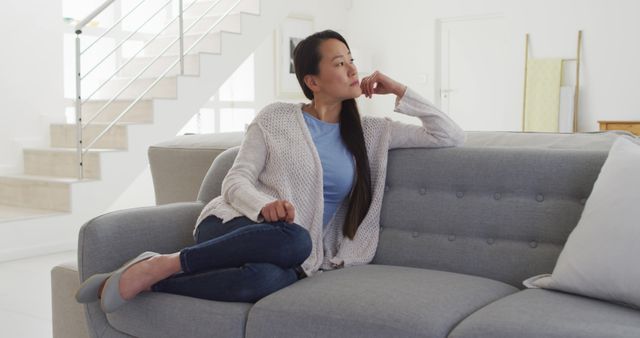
[373, 301]
[155, 314]
[545, 313]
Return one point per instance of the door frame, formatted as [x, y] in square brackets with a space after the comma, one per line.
[437, 83]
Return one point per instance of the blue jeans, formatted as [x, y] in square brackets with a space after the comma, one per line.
[240, 261]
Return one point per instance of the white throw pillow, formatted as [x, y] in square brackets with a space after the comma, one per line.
[601, 258]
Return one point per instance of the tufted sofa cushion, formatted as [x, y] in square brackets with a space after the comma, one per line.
[500, 213]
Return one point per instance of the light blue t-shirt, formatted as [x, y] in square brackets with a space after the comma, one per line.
[337, 163]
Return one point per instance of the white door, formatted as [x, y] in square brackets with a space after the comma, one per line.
[472, 72]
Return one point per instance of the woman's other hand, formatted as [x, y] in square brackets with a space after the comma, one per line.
[280, 210]
[378, 83]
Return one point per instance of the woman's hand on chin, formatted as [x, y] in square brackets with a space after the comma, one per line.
[378, 83]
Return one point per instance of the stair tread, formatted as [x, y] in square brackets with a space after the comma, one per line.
[56, 179]
[191, 34]
[116, 100]
[10, 213]
[72, 150]
[235, 11]
[146, 79]
[175, 55]
[199, 33]
[99, 124]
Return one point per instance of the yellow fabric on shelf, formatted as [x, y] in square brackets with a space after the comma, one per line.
[542, 104]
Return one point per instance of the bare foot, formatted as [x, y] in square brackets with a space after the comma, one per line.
[142, 275]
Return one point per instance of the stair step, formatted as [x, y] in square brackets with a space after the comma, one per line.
[165, 88]
[61, 162]
[209, 44]
[191, 66]
[64, 135]
[245, 6]
[231, 23]
[141, 112]
[10, 213]
[36, 192]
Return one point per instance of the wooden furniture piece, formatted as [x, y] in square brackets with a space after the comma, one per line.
[632, 126]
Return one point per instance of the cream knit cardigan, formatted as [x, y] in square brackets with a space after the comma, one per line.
[278, 160]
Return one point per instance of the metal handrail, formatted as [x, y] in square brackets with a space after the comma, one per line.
[153, 84]
[81, 150]
[93, 14]
[157, 57]
[112, 27]
[137, 76]
[124, 65]
[99, 112]
[181, 30]
[78, 98]
[202, 16]
[212, 27]
[126, 110]
[125, 40]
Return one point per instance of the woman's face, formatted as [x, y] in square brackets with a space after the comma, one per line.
[337, 73]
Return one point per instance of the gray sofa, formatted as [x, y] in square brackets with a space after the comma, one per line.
[461, 228]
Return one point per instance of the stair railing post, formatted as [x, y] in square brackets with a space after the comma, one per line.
[78, 109]
[181, 38]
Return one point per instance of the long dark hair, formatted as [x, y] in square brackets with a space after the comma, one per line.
[306, 60]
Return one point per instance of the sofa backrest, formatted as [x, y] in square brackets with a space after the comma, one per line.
[499, 212]
[179, 165]
[503, 213]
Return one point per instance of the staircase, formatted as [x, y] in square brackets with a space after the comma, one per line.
[42, 209]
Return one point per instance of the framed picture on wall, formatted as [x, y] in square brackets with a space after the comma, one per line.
[291, 31]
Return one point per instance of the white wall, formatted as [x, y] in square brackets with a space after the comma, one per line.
[403, 46]
[331, 14]
[31, 90]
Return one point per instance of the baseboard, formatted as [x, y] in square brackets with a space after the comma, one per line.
[37, 250]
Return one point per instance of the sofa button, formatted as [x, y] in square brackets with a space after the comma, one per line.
[414, 234]
[539, 198]
[459, 194]
[452, 238]
[583, 201]
[533, 244]
[490, 241]
[497, 196]
[423, 191]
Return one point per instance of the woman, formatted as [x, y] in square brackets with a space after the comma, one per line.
[304, 192]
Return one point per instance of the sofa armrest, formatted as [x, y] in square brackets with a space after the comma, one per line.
[107, 241]
[67, 315]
